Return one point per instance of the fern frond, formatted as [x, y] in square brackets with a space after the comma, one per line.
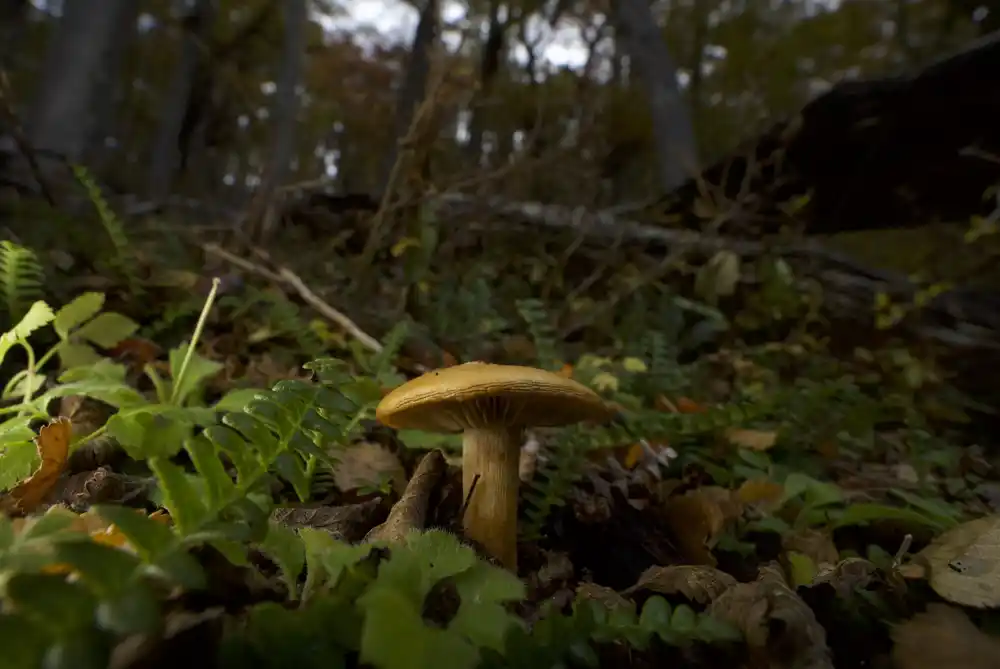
[542, 331]
[124, 260]
[22, 278]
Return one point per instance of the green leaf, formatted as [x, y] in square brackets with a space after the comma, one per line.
[482, 616]
[218, 484]
[38, 316]
[684, 620]
[149, 537]
[237, 399]
[803, 569]
[423, 559]
[108, 329]
[655, 615]
[334, 556]
[146, 432]
[55, 520]
[18, 460]
[180, 497]
[859, 514]
[77, 355]
[79, 310]
[293, 469]
[286, 549]
[24, 642]
[181, 568]
[107, 570]
[389, 614]
[132, 611]
[51, 600]
[198, 371]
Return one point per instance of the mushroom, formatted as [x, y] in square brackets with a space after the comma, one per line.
[491, 405]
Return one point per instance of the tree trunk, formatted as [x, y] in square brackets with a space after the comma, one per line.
[286, 108]
[656, 72]
[414, 87]
[489, 65]
[165, 156]
[80, 72]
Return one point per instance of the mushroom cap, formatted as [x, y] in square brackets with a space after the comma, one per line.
[479, 394]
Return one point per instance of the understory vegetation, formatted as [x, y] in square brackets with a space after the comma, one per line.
[207, 479]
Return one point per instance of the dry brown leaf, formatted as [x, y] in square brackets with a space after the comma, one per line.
[410, 512]
[847, 576]
[754, 440]
[697, 518]
[943, 637]
[780, 629]
[687, 405]
[696, 583]
[762, 493]
[52, 443]
[817, 545]
[964, 563]
[606, 596]
[366, 464]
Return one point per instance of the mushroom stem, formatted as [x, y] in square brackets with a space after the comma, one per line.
[491, 519]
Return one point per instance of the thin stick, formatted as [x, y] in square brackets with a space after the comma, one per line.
[289, 278]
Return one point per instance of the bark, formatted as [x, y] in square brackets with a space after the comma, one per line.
[414, 86]
[656, 71]
[79, 76]
[13, 16]
[286, 105]
[489, 65]
[197, 23]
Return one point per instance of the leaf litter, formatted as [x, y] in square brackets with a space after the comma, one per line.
[719, 544]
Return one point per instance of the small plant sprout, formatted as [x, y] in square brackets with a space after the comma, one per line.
[491, 405]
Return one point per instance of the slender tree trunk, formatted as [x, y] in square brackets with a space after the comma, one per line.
[165, 156]
[286, 108]
[79, 75]
[656, 71]
[415, 86]
[489, 65]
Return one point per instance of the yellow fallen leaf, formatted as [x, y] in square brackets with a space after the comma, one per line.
[754, 440]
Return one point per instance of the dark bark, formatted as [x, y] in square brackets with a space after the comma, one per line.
[80, 76]
[165, 157]
[656, 72]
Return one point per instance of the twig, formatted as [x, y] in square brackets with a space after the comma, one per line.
[289, 278]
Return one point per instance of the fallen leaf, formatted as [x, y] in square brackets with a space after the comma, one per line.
[697, 519]
[606, 596]
[943, 637]
[686, 405]
[760, 492]
[816, 544]
[696, 583]
[136, 351]
[52, 444]
[566, 370]
[368, 464]
[780, 629]
[964, 563]
[754, 440]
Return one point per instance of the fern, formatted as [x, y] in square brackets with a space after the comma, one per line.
[124, 260]
[554, 480]
[542, 332]
[21, 279]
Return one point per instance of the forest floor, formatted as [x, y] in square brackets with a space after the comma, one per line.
[767, 497]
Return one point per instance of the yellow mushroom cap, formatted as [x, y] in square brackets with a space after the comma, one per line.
[479, 394]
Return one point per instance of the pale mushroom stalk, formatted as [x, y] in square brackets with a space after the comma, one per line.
[493, 454]
[491, 405]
